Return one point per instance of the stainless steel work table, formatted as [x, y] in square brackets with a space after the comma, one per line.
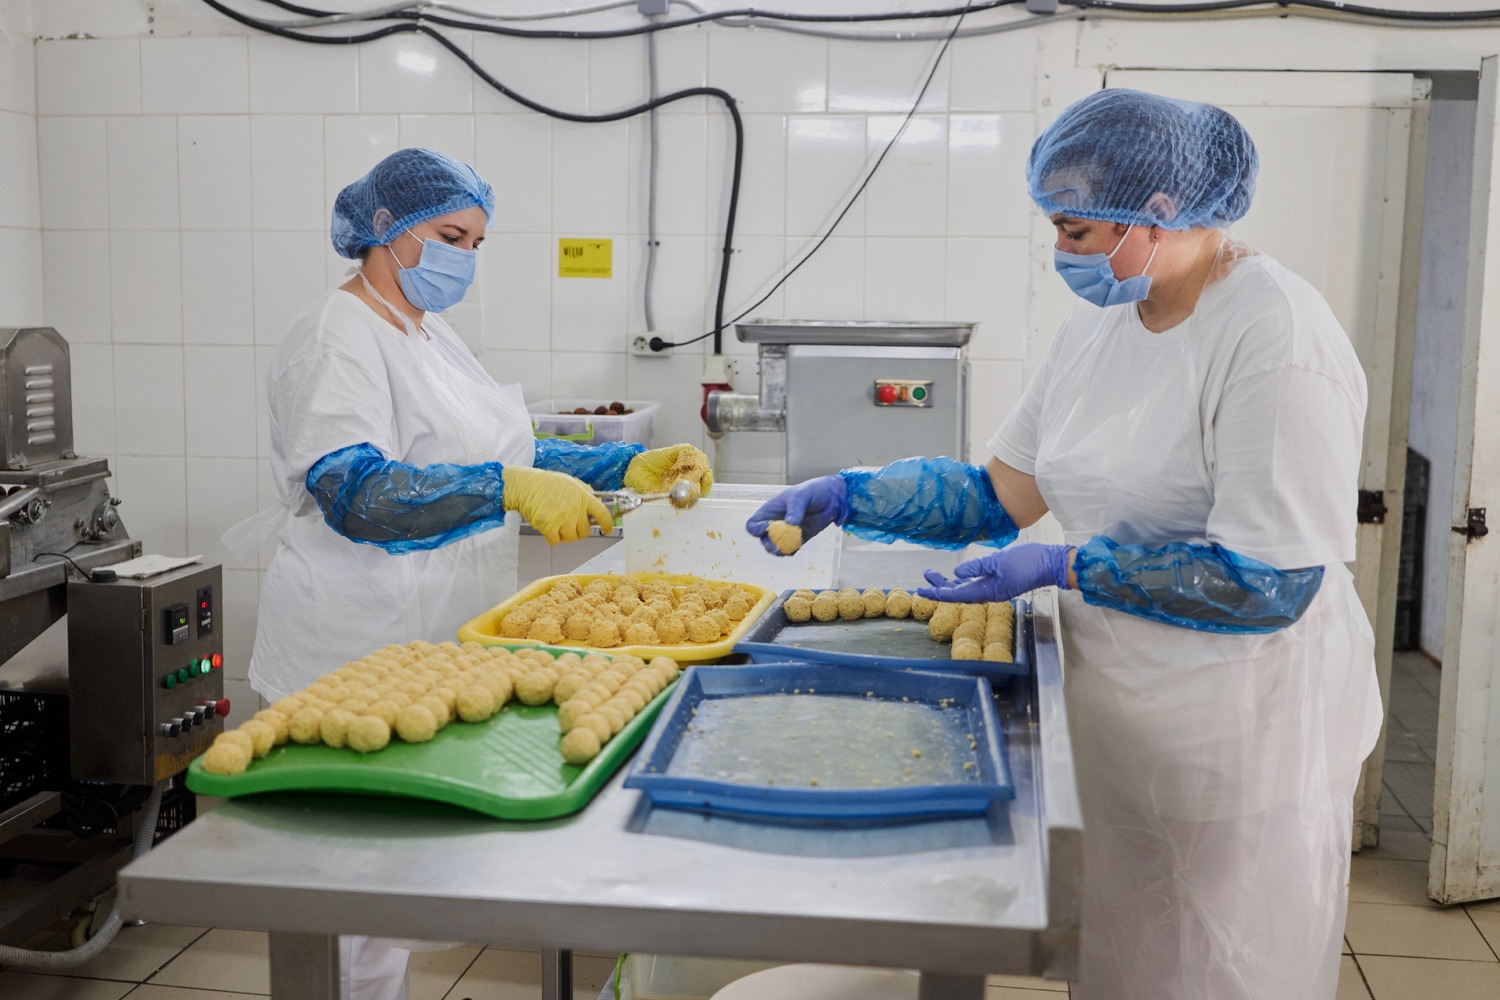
[955, 900]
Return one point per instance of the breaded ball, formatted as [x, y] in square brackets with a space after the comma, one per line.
[969, 630]
[664, 664]
[640, 634]
[277, 722]
[287, 706]
[806, 595]
[226, 758]
[632, 699]
[671, 630]
[416, 724]
[612, 715]
[922, 607]
[368, 734]
[303, 727]
[475, 704]
[386, 709]
[571, 684]
[240, 739]
[604, 633]
[825, 607]
[580, 746]
[546, 628]
[535, 688]
[334, 729]
[739, 605]
[578, 625]
[437, 707]
[262, 736]
[851, 605]
[797, 609]
[874, 599]
[570, 712]
[593, 699]
[966, 649]
[897, 604]
[943, 621]
[703, 629]
[998, 652]
[596, 724]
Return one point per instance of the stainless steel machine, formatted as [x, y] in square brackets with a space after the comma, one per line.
[107, 686]
[854, 393]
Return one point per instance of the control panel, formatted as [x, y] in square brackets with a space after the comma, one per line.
[903, 392]
[147, 656]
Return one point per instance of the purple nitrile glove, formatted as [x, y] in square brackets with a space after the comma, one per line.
[999, 577]
[812, 506]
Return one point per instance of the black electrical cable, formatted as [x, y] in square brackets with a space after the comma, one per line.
[91, 575]
[723, 96]
[657, 345]
[643, 29]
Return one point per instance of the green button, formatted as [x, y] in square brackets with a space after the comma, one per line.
[170, 681]
[204, 666]
[918, 393]
[183, 675]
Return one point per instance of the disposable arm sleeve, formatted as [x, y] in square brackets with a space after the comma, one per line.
[601, 465]
[938, 502]
[1206, 588]
[368, 498]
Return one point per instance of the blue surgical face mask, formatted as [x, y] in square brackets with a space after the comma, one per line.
[1090, 275]
[440, 277]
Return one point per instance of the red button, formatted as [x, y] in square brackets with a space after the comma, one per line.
[217, 660]
[886, 394]
[223, 708]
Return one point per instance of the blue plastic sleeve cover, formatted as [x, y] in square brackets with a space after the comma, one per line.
[368, 498]
[1206, 588]
[939, 502]
[601, 465]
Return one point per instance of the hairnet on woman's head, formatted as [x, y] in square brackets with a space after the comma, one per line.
[413, 186]
[1110, 156]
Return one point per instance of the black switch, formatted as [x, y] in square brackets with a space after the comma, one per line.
[205, 611]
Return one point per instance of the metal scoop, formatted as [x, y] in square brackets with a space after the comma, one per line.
[683, 495]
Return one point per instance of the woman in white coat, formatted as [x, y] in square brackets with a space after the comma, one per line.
[397, 457]
[1196, 429]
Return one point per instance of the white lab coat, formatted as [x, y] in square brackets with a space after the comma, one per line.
[342, 376]
[1216, 772]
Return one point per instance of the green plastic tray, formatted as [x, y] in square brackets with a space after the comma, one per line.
[509, 767]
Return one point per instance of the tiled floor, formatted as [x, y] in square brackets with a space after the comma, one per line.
[1398, 944]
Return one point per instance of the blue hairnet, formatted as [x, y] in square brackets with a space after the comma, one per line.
[1106, 156]
[414, 186]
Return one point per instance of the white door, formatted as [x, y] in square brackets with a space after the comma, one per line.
[1330, 204]
[1465, 861]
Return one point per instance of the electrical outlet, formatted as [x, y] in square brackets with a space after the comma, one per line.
[640, 344]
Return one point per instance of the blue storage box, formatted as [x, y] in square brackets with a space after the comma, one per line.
[817, 742]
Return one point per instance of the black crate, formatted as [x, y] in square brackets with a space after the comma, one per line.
[33, 745]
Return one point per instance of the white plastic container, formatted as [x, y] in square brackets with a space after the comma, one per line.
[548, 420]
[823, 982]
[710, 540]
[673, 977]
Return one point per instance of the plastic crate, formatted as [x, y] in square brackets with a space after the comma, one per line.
[33, 745]
[549, 420]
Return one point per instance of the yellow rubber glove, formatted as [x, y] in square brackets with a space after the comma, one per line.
[557, 505]
[657, 470]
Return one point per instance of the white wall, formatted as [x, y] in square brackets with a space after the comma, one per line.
[20, 219]
[1437, 359]
[187, 167]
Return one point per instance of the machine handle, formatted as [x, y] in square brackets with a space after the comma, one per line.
[18, 501]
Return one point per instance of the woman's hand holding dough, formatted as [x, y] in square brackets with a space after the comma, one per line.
[557, 505]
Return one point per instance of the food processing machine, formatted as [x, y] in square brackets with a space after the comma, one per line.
[854, 393]
[108, 686]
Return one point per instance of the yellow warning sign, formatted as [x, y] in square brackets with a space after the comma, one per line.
[585, 258]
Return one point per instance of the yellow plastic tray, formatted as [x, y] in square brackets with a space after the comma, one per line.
[486, 628]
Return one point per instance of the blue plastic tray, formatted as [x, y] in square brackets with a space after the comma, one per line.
[890, 643]
[755, 740]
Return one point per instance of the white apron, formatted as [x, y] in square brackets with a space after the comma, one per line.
[343, 375]
[1216, 772]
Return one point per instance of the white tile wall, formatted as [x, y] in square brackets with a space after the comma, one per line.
[18, 170]
[185, 185]
[76, 282]
[195, 76]
[17, 75]
[74, 160]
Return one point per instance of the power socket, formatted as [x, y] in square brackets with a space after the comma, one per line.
[640, 344]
